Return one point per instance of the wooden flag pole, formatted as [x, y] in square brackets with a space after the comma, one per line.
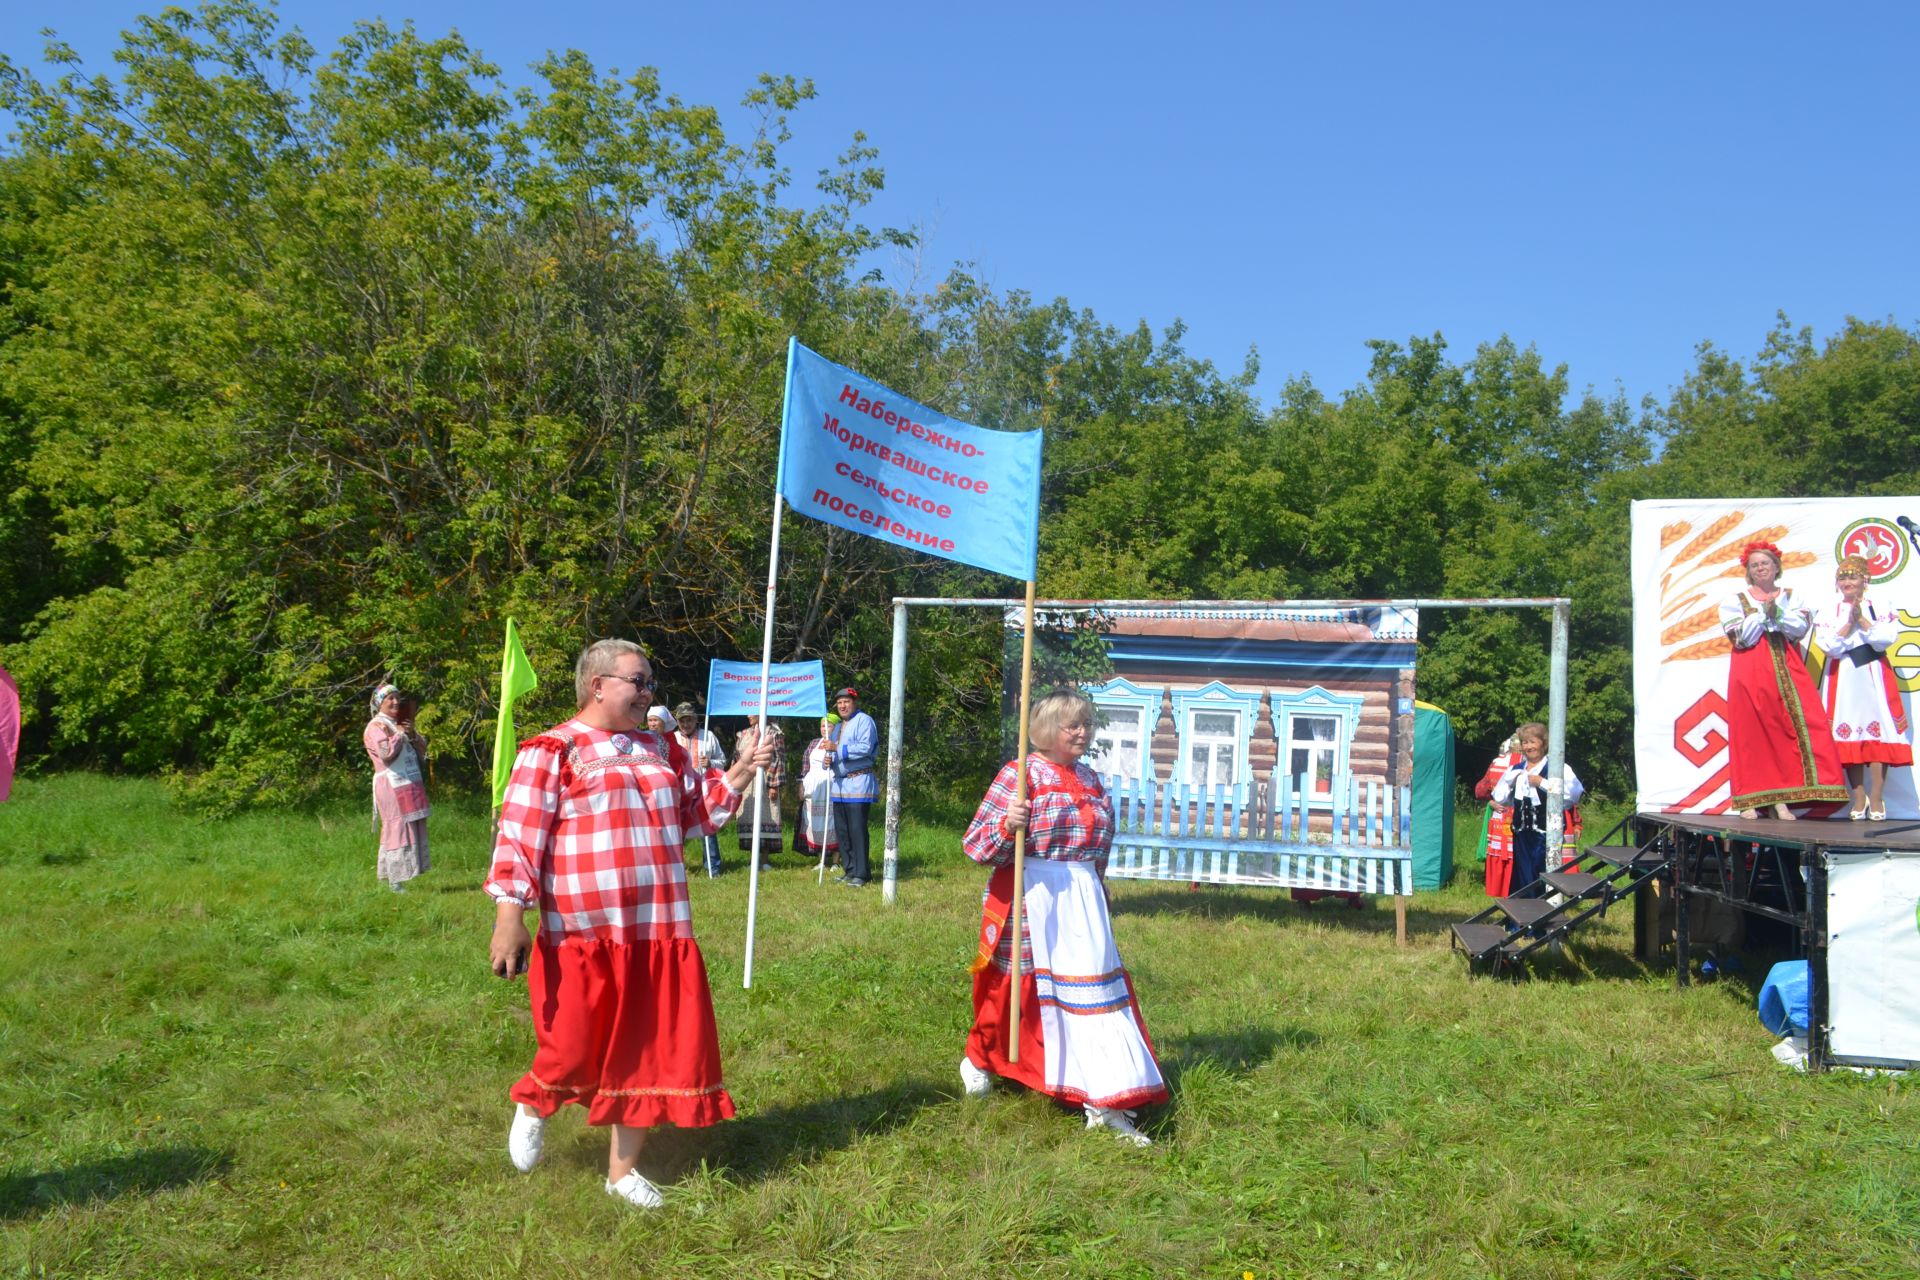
[1020, 836]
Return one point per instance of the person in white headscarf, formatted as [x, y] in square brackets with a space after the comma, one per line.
[399, 788]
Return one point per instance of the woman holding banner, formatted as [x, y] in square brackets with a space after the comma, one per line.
[1859, 690]
[591, 833]
[1082, 1039]
[1779, 743]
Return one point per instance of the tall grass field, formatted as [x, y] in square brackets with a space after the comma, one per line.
[230, 1052]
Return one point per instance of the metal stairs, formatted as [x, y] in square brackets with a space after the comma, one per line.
[1514, 928]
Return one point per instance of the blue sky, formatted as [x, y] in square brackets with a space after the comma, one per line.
[1610, 183]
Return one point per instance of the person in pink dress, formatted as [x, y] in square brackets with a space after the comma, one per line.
[1779, 744]
[399, 788]
[596, 814]
[1859, 690]
[9, 731]
[1082, 1039]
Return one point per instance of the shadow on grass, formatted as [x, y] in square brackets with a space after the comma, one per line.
[759, 1146]
[141, 1173]
[1237, 1051]
[1276, 906]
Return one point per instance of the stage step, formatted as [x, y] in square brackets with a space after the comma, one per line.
[1575, 884]
[1527, 911]
[1511, 929]
[1478, 939]
[1624, 855]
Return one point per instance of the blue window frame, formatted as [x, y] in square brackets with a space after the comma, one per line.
[1123, 744]
[1216, 724]
[1314, 730]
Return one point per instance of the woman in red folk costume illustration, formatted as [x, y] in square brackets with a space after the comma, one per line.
[1082, 1040]
[1859, 691]
[1779, 745]
[591, 835]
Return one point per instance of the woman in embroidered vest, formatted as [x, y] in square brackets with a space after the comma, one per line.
[1859, 691]
[1779, 745]
[591, 832]
[399, 791]
[1082, 1040]
[1521, 796]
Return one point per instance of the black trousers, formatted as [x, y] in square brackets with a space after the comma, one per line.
[850, 827]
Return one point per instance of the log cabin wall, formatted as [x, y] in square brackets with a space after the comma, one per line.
[1359, 661]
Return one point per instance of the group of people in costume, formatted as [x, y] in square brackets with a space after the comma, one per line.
[1788, 741]
[1791, 740]
[591, 836]
[1517, 787]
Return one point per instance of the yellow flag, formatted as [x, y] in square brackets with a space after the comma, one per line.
[516, 678]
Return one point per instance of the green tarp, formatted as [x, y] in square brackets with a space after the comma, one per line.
[1432, 797]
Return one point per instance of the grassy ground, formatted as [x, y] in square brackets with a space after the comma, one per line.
[234, 1054]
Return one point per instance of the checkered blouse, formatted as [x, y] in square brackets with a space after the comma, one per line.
[1072, 819]
[592, 829]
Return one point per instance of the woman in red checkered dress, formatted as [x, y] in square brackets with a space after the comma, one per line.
[592, 833]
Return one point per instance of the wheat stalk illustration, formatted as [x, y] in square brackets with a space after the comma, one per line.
[1714, 648]
[1683, 603]
[1691, 626]
[1710, 535]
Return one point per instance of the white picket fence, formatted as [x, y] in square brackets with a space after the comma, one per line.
[1170, 831]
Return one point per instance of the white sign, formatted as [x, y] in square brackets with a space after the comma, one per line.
[1873, 952]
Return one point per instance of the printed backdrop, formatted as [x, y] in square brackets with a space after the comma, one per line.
[1686, 560]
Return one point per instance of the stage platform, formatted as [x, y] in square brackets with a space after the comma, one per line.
[1777, 869]
[1838, 834]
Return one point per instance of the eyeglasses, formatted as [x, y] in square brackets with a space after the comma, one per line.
[639, 685]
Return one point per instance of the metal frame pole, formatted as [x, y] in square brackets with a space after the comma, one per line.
[896, 748]
[1557, 730]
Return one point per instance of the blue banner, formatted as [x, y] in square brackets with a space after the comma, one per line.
[793, 689]
[854, 454]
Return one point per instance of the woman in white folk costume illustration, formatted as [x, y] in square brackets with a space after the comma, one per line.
[1082, 1039]
[1859, 691]
[1779, 746]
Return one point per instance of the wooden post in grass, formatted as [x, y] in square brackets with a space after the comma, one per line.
[1020, 836]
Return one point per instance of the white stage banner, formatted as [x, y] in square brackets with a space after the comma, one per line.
[1686, 561]
[1873, 951]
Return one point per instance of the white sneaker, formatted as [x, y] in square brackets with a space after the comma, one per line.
[1121, 1122]
[976, 1082]
[636, 1191]
[526, 1138]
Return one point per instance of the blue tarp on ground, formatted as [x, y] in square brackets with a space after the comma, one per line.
[1783, 998]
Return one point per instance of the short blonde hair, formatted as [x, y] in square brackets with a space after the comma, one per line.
[599, 659]
[1057, 709]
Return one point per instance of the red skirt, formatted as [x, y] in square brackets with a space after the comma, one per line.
[625, 1030]
[1779, 741]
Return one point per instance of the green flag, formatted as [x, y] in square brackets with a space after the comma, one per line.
[516, 678]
